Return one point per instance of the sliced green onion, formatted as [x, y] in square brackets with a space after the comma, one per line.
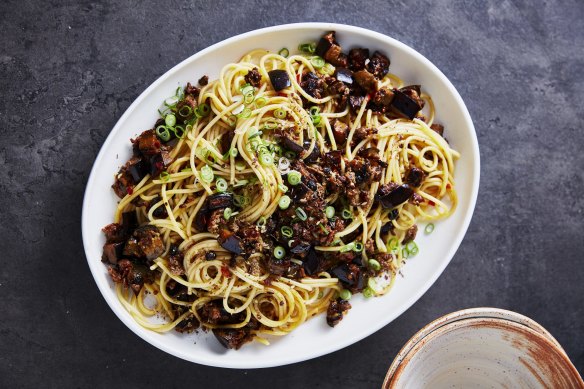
[233, 152]
[412, 248]
[307, 47]
[290, 154]
[244, 114]
[246, 89]
[279, 252]
[227, 213]
[329, 212]
[348, 247]
[266, 159]
[221, 185]
[374, 264]
[358, 247]
[429, 228]
[314, 110]
[207, 174]
[393, 244]
[316, 120]
[323, 228]
[336, 242]
[164, 176]
[345, 294]
[240, 183]
[294, 177]
[240, 201]
[301, 214]
[284, 52]
[260, 102]
[368, 292]
[328, 69]
[163, 133]
[346, 214]
[203, 110]
[270, 124]
[280, 113]
[405, 253]
[239, 165]
[262, 222]
[232, 120]
[283, 188]
[284, 202]
[185, 111]
[179, 132]
[317, 62]
[248, 98]
[286, 231]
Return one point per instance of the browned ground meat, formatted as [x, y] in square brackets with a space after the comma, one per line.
[204, 80]
[336, 310]
[411, 233]
[253, 77]
[439, 128]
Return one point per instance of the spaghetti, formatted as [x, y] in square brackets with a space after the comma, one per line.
[273, 193]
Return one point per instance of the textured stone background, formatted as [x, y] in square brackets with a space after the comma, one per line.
[68, 70]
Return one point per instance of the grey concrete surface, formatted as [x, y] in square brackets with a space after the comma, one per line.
[69, 69]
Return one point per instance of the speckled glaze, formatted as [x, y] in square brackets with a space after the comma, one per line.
[482, 348]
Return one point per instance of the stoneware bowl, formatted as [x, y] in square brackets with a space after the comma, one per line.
[313, 338]
[482, 348]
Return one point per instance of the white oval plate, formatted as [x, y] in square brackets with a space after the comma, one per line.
[313, 338]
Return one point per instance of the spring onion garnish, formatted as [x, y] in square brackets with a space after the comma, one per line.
[358, 247]
[294, 177]
[240, 201]
[266, 159]
[221, 185]
[346, 214]
[393, 244]
[286, 231]
[163, 133]
[283, 188]
[164, 176]
[374, 264]
[246, 88]
[314, 110]
[283, 165]
[262, 222]
[270, 124]
[232, 120]
[260, 102]
[315, 115]
[239, 165]
[329, 212]
[290, 154]
[405, 253]
[203, 110]
[368, 292]
[307, 47]
[284, 52]
[317, 62]
[412, 248]
[248, 99]
[207, 174]
[185, 111]
[348, 247]
[233, 152]
[345, 294]
[429, 228]
[280, 113]
[323, 228]
[327, 69]
[227, 213]
[279, 252]
[316, 120]
[170, 120]
[179, 132]
[244, 114]
[301, 214]
[284, 202]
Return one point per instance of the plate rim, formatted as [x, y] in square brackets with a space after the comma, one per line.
[289, 359]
